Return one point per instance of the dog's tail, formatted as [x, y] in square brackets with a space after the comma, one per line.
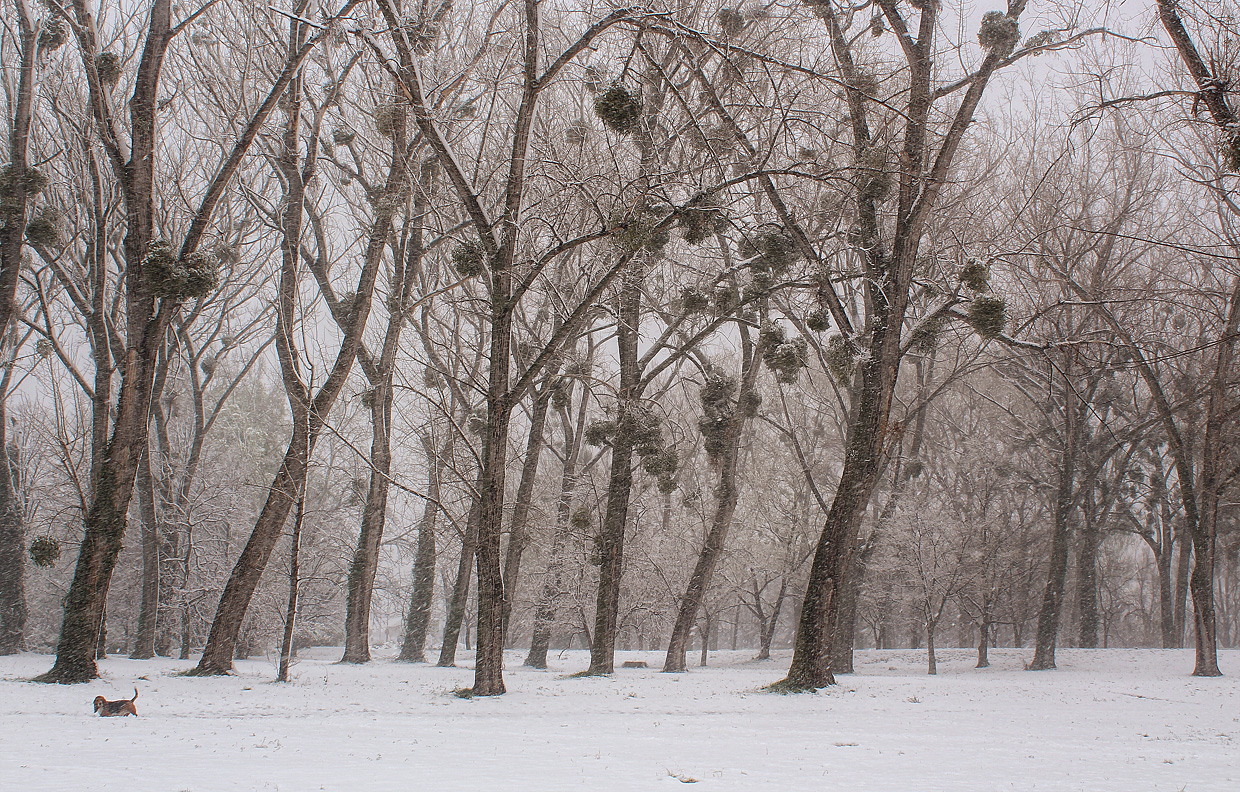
[135, 695]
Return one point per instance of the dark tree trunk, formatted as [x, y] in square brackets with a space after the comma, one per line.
[413, 649]
[365, 564]
[148, 609]
[460, 596]
[13, 211]
[1052, 595]
[12, 544]
[620, 481]
[983, 644]
[1087, 584]
[518, 532]
[106, 516]
[932, 662]
[726, 494]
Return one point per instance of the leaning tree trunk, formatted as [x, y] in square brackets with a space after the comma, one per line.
[620, 481]
[294, 581]
[365, 564]
[413, 649]
[726, 494]
[374, 514]
[460, 594]
[309, 415]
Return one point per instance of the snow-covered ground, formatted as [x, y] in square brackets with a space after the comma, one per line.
[1114, 720]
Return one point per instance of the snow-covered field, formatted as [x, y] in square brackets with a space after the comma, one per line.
[1114, 720]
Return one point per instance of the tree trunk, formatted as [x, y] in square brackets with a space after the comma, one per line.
[620, 481]
[518, 530]
[148, 609]
[12, 544]
[1166, 605]
[553, 576]
[365, 564]
[1184, 544]
[767, 628]
[309, 415]
[726, 494]
[413, 650]
[460, 596]
[1087, 584]
[1052, 595]
[13, 211]
[932, 667]
[290, 614]
[983, 644]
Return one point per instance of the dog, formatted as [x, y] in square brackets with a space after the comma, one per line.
[108, 709]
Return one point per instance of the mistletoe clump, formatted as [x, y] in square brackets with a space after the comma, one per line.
[108, 67]
[840, 358]
[343, 136]
[818, 320]
[581, 519]
[694, 301]
[783, 356]
[469, 259]
[600, 433]
[698, 223]
[732, 22]
[32, 182]
[999, 32]
[171, 278]
[975, 275]
[52, 37]
[926, 337]
[389, 119]
[873, 179]
[663, 466]
[718, 412]
[988, 316]
[641, 230]
[619, 108]
[44, 551]
[725, 297]
[44, 228]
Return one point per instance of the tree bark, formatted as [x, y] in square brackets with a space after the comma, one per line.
[1087, 584]
[1052, 595]
[374, 514]
[148, 609]
[726, 494]
[413, 649]
[290, 613]
[620, 480]
[519, 527]
[460, 595]
[309, 415]
[13, 210]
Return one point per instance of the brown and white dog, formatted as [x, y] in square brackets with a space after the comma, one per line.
[108, 709]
